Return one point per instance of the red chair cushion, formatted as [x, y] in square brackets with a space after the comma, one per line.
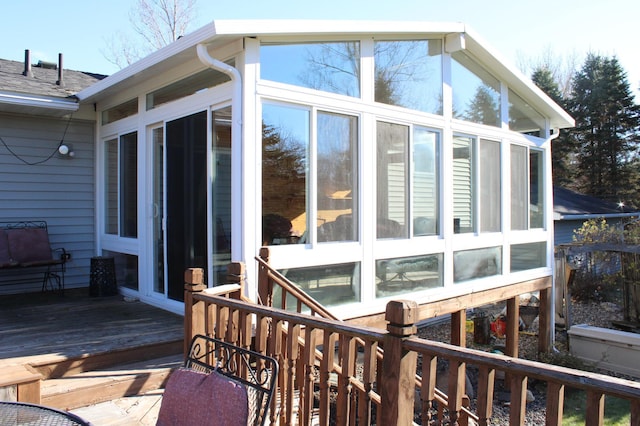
[194, 398]
[29, 245]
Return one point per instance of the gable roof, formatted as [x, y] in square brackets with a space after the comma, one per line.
[571, 205]
[222, 32]
[38, 92]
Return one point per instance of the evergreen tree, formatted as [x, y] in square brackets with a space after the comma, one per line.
[606, 133]
[562, 148]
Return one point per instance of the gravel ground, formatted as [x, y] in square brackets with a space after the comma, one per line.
[596, 314]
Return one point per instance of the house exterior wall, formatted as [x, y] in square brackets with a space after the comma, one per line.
[59, 191]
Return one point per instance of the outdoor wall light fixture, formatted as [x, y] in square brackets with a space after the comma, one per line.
[66, 150]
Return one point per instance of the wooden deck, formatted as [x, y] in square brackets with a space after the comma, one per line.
[72, 325]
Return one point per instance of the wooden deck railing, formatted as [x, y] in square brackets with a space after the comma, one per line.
[330, 370]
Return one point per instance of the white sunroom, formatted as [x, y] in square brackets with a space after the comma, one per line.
[376, 160]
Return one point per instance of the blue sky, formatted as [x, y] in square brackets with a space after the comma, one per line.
[80, 29]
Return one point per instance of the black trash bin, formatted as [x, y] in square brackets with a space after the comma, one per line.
[481, 329]
[103, 277]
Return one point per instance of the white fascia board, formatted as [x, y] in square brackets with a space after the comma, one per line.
[34, 101]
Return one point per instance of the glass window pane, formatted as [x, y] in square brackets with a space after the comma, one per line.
[463, 195]
[536, 189]
[111, 187]
[392, 161]
[426, 147]
[121, 111]
[332, 66]
[285, 144]
[129, 185]
[476, 93]
[408, 274]
[187, 86]
[331, 285]
[408, 73]
[221, 192]
[337, 177]
[490, 192]
[523, 118]
[528, 256]
[478, 263]
[126, 269]
[519, 195]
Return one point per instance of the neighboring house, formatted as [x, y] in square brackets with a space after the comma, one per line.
[377, 160]
[571, 209]
[38, 113]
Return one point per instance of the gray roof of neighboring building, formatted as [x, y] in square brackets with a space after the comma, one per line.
[43, 80]
[568, 204]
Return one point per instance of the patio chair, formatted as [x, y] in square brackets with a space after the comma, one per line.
[220, 384]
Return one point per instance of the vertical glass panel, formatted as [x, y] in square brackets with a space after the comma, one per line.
[221, 192]
[425, 182]
[392, 169]
[129, 185]
[285, 145]
[463, 185]
[490, 188]
[523, 118]
[331, 285]
[536, 189]
[157, 138]
[408, 274]
[332, 66]
[478, 263]
[337, 177]
[408, 74]
[111, 187]
[476, 93]
[126, 269]
[519, 194]
[528, 256]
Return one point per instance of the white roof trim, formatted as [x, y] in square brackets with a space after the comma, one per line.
[230, 29]
[34, 101]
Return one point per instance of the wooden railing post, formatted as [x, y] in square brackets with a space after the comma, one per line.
[265, 285]
[399, 365]
[236, 273]
[193, 311]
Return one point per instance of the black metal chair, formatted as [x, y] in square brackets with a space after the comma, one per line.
[256, 372]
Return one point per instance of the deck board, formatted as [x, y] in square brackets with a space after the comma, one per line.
[76, 324]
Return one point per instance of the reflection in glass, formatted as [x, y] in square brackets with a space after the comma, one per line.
[157, 140]
[129, 185]
[331, 66]
[408, 73]
[126, 269]
[408, 274]
[536, 189]
[285, 144]
[331, 285]
[476, 93]
[187, 86]
[221, 192]
[490, 192]
[392, 168]
[111, 186]
[425, 181]
[337, 177]
[528, 256]
[463, 195]
[523, 118]
[519, 193]
[478, 263]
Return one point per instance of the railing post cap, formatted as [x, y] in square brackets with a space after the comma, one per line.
[402, 312]
[194, 276]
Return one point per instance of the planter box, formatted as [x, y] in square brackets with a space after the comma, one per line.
[612, 350]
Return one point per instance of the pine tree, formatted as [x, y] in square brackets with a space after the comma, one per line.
[562, 148]
[607, 130]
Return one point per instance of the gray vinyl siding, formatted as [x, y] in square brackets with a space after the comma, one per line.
[59, 191]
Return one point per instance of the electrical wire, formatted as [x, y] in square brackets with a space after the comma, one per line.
[28, 163]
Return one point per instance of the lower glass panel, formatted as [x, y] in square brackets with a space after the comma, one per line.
[528, 256]
[477, 263]
[408, 274]
[331, 285]
[126, 269]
